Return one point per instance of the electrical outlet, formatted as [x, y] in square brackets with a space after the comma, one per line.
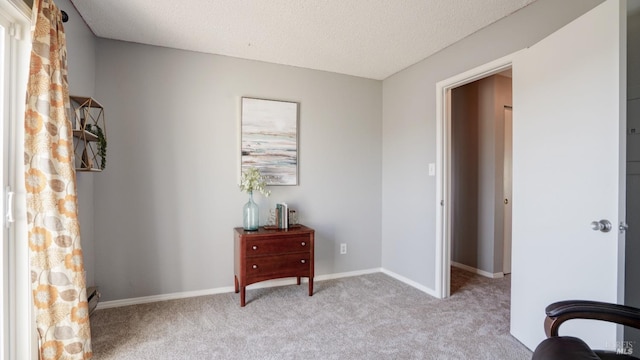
[343, 249]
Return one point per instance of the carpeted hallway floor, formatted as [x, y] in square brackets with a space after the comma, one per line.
[364, 317]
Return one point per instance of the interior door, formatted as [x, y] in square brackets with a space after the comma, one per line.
[507, 189]
[568, 132]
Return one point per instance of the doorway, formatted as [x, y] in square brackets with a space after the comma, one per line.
[586, 129]
[481, 175]
[445, 167]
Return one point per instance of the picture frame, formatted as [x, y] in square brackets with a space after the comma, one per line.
[269, 139]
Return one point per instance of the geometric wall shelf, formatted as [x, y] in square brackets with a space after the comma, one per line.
[89, 134]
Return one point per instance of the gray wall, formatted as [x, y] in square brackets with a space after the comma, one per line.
[164, 208]
[632, 266]
[465, 167]
[81, 59]
[166, 205]
[501, 98]
[409, 128]
[477, 132]
[633, 49]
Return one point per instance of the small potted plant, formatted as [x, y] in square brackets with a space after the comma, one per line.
[102, 143]
[252, 181]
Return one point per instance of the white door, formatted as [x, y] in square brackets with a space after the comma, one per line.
[507, 175]
[568, 148]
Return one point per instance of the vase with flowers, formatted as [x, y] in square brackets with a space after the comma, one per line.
[252, 181]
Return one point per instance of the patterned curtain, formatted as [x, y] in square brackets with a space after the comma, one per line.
[57, 268]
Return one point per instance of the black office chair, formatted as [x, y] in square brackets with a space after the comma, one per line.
[568, 347]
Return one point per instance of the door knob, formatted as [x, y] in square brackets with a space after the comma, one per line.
[602, 225]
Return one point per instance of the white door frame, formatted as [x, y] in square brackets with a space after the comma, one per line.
[443, 164]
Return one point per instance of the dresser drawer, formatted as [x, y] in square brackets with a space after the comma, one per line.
[282, 245]
[278, 266]
[266, 254]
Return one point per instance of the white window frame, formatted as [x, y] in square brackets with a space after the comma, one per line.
[18, 336]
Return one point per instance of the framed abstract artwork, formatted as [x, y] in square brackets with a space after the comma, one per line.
[269, 139]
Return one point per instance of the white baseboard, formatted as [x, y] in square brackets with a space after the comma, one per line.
[347, 274]
[226, 289]
[283, 282]
[477, 271]
[410, 283]
[163, 297]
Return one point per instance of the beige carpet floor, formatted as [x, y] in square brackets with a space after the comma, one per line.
[363, 317]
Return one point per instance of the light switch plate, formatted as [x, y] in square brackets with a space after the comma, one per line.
[432, 169]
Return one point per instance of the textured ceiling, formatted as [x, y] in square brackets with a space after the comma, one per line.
[368, 38]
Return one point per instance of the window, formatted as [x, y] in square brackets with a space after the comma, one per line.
[4, 260]
[17, 340]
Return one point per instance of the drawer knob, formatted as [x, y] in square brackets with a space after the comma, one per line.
[255, 247]
[255, 266]
[303, 261]
[303, 243]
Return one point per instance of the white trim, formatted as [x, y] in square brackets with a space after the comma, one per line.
[22, 340]
[410, 282]
[163, 297]
[225, 289]
[17, 11]
[6, 210]
[21, 7]
[348, 274]
[443, 164]
[471, 269]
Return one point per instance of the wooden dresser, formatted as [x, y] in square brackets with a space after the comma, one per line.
[270, 254]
